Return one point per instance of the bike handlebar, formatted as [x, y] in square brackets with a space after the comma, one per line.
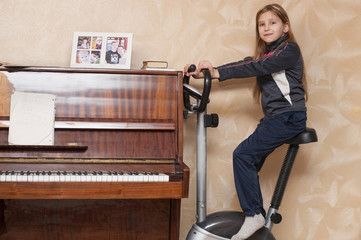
[203, 97]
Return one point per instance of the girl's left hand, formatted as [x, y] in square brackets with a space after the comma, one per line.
[205, 64]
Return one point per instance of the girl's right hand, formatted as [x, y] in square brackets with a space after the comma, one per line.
[196, 74]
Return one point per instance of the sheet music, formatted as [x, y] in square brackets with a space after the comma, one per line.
[32, 118]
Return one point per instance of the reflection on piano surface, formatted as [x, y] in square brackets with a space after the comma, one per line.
[118, 135]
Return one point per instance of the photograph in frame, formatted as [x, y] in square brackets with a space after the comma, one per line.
[101, 50]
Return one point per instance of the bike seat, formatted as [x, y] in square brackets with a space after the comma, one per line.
[308, 136]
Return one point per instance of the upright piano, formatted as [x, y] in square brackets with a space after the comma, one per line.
[115, 170]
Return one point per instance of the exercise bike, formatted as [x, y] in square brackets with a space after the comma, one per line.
[223, 225]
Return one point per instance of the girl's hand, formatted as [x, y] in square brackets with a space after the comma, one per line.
[205, 64]
[196, 74]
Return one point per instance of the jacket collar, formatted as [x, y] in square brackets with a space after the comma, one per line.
[272, 46]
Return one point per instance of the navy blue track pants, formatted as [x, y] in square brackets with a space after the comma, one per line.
[250, 155]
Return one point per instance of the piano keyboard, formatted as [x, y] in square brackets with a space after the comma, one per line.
[81, 176]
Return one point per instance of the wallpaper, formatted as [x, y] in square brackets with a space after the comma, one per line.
[323, 197]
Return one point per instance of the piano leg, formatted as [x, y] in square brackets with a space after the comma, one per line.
[2, 217]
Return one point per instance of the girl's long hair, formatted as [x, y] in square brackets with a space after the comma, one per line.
[261, 46]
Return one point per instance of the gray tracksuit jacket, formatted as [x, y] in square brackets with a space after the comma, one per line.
[279, 75]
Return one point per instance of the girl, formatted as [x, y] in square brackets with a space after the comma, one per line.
[280, 86]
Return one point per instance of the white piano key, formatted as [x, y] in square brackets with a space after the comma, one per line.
[25, 176]
[52, 176]
[104, 177]
[7, 177]
[120, 177]
[130, 177]
[21, 177]
[156, 178]
[140, 177]
[41, 177]
[57, 176]
[99, 177]
[2, 177]
[108, 177]
[77, 177]
[13, 176]
[151, 177]
[145, 177]
[93, 177]
[68, 177]
[62, 177]
[17, 177]
[164, 177]
[72, 177]
[86, 177]
[46, 177]
[30, 176]
[82, 177]
[114, 176]
[126, 177]
[36, 177]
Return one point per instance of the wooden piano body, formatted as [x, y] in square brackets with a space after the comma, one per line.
[106, 121]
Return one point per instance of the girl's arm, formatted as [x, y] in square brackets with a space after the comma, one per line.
[205, 64]
[284, 58]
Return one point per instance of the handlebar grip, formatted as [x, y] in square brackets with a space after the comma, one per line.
[201, 107]
[191, 68]
[186, 100]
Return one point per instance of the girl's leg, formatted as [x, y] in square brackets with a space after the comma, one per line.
[247, 183]
[249, 157]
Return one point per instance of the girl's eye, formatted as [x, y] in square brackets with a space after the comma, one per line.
[261, 24]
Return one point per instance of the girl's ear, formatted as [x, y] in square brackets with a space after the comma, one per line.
[286, 27]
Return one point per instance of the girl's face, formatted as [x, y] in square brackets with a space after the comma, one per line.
[271, 27]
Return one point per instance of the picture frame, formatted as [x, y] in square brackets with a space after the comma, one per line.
[101, 50]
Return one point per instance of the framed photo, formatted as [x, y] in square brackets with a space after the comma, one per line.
[101, 50]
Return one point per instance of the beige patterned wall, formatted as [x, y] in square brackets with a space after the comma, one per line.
[323, 198]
